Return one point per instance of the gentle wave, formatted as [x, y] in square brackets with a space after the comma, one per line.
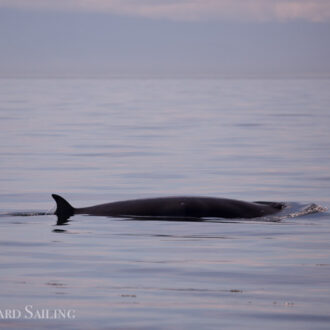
[26, 213]
[310, 209]
[294, 210]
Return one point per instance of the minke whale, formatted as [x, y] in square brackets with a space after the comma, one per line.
[171, 208]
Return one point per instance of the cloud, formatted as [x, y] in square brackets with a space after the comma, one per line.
[192, 10]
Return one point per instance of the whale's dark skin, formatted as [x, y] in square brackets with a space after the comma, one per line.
[172, 208]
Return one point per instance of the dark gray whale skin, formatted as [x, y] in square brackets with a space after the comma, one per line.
[172, 208]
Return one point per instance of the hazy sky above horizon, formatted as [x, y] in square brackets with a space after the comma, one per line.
[181, 37]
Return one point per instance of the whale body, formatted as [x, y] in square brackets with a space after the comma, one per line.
[178, 207]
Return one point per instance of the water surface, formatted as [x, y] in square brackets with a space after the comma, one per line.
[96, 141]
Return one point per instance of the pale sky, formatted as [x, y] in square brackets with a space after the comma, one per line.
[166, 37]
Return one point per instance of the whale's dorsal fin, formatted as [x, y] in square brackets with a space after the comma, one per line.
[64, 209]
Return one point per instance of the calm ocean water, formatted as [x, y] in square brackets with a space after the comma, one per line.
[102, 140]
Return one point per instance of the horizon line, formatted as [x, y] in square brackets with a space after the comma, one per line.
[325, 75]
